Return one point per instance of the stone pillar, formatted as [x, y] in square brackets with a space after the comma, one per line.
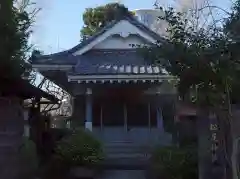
[160, 120]
[88, 113]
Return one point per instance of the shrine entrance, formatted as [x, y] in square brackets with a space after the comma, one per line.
[126, 118]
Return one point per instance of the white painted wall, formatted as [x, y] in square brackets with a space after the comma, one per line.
[118, 42]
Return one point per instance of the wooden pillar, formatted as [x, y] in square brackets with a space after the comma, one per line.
[88, 120]
[149, 116]
[160, 120]
[101, 116]
[125, 117]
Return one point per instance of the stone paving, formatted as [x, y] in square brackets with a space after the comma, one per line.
[122, 174]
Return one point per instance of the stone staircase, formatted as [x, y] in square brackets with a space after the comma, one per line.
[126, 155]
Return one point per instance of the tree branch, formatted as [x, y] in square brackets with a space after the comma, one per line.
[215, 7]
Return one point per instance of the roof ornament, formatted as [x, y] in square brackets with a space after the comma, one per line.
[124, 34]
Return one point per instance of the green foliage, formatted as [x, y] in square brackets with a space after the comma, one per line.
[52, 167]
[28, 159]
[232, 24]
[175, 163]
[81, 148]
[96, 18]
[15, 25]
[204, 59]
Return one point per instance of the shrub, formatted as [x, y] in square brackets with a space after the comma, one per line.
[57, 134]
[175, 163]
[51, 167]
[80, 148]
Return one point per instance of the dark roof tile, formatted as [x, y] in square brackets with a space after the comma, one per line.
[114, 62]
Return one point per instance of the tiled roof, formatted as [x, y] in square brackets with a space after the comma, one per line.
[114, 62]
[58, 59]
[65, 53]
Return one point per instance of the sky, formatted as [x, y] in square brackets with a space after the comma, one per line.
[58, 24]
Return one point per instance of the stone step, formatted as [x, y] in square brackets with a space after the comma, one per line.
[120, 160]
[120, 142]
[124, 163]
[122, 174]
[128, 156]
[125, 155]
[126, 149]
[125, 144]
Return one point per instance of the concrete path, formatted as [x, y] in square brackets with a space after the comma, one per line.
[123, 174]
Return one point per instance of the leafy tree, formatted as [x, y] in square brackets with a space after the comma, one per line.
[205, 60]
[15, 23]
[232, 25]
[96, 18]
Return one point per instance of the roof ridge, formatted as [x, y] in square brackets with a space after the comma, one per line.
[113, 50]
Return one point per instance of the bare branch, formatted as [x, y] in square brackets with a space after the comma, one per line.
[215, 7]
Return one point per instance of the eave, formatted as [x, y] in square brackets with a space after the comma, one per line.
[55, 67]
[119, 78]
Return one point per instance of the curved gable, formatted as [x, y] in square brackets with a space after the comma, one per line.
[123, 29]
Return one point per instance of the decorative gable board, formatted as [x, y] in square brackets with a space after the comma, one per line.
[119, 42]
[123, 28]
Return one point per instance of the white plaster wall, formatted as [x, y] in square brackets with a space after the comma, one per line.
[122, 28]
[118, 42]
